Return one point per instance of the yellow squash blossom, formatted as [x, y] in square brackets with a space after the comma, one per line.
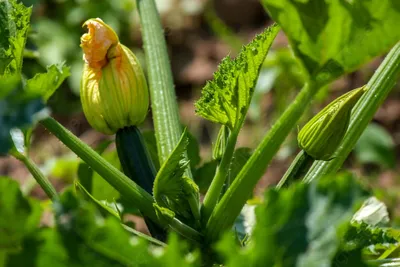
[114, 92]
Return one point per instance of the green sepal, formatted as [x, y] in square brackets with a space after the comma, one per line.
[322, 135]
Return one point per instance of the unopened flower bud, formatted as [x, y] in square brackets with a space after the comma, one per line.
[114, 91]
[320, 137]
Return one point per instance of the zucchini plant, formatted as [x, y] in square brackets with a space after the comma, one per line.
[308, 219]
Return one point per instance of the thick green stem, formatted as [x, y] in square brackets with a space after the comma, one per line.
[163, 100]
[234, 199]
[130, 190]
[378, 89]
[298, 168]
[214, 192]
[38, 175]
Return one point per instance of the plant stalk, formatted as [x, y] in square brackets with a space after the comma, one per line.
[237, 194]
[213, 194]
[129, 189]
[42, 180]
[299, 167]
[378, 88]
[164, 105]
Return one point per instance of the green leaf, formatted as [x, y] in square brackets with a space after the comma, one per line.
[227, 97]
[45, 84]
[362, 235]
[172, 189]
[301, 225]
[20, 216]
[193, 149]
[376, 146]
[14, 25]
[20, 105]
[17, 110]
[333, 37]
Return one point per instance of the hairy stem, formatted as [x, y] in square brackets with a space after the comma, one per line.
[164, 106]
[42, 180]
[378, 88]
[237, 194]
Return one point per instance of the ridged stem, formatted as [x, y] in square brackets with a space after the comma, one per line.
[129, 189]
[164, 106]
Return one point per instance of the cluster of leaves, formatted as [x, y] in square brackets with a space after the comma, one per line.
[81, 236]
[304, 225]
[22, 100]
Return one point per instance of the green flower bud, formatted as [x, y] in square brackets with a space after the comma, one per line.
[114, 91]
[320, 137]
[220, 144]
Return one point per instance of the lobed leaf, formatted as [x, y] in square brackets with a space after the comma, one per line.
[343, 34]
[227, 97]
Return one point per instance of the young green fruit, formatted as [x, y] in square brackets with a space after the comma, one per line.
[320, 137]
[114, 91]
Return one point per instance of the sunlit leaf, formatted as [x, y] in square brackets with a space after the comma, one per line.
[333, 37]
[227, 97]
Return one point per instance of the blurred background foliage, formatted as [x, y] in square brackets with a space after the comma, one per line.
[199, 34]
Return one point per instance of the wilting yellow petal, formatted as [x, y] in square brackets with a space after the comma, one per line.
[97, 42]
